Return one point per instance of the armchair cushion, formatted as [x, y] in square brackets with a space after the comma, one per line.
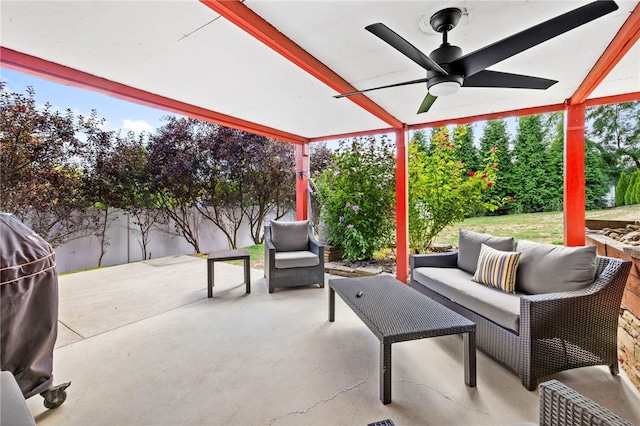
[469, 243]
[548, 268]
[296, 259]
[290, 236]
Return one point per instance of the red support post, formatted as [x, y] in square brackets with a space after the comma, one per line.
[574, 179]
[302, 181]
[402, 206]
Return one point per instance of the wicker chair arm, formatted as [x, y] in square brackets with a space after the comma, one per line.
[438, 260]
[314, 245]
[577, 313]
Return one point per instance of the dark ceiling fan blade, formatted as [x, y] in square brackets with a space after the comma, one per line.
[488, 78]
[404, 83]
[426, 103]
[403, 46]
[485, 57]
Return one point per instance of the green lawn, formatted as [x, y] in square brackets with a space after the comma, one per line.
[540, 227]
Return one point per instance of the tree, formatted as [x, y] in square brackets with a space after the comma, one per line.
[465, 151]
[616, 128]
[270, 182]
[629, 197]
[495, 136]
[173, 165]
[530, 174]
[621, 189]
[319, 161]
[421, 140]
[555, 161]
[101, 186]
[40, 181]
[596, 180]
[118, 178]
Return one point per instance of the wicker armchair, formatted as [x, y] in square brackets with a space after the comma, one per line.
[292, 256]
[558, 331]
[560, 405]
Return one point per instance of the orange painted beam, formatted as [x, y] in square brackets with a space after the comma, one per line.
[402, 206]
[574, 180]
[302, 181]
[489, 116]
[353, 135]
[22, 62]
[614, 99]
[626, 37]
[239, 14]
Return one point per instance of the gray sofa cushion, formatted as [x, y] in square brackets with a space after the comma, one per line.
[456, 285]
[547, 268]
[290, 236]
[296, 259]
[469, 243]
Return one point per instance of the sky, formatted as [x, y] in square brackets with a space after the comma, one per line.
[118, 114]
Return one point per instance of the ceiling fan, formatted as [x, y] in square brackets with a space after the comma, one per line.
[448, 70]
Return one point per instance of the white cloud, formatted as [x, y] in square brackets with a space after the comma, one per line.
[137, 126]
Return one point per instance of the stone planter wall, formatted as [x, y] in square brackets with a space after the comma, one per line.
[628, 323]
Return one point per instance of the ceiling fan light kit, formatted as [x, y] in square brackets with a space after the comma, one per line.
[448, 69]
[445, 88]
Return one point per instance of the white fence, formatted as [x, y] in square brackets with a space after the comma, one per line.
[124, 243]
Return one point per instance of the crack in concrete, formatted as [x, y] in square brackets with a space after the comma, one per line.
[322, 401]
[442, 395]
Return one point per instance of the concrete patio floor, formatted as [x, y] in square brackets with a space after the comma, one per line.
[143, 345]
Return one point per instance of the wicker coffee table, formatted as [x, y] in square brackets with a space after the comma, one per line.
[395, 312]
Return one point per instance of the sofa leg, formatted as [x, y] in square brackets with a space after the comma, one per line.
[530, 384]
[613, 368]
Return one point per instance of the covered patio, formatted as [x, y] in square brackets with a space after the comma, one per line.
[142, 344]
[273, 67]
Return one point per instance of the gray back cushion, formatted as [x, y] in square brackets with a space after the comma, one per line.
[290, 236]
[547, 268]
[469, 244]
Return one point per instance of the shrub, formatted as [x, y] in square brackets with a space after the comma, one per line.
[441, 192]
[629, 196]
[358, 195]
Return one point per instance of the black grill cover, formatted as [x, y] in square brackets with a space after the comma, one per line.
[29, 306]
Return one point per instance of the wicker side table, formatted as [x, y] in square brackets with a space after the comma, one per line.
[395, 312]
[222, 256]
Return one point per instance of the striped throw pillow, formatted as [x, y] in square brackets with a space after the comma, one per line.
[497, 268]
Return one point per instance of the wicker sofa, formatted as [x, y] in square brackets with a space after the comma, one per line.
[567, 324]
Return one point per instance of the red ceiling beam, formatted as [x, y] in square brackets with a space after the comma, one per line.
[615, 99]
[246, 19]
[353, 135]
[490, 116]
[624, 40]
[61, 74]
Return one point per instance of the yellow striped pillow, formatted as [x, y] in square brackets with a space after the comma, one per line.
[497, 268]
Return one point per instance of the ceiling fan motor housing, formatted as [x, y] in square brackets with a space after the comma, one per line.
[444, 55]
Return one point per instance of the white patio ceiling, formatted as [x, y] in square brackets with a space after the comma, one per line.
[184, 51]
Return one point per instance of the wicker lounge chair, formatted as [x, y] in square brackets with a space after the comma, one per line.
[292, 256]
[562, 406]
